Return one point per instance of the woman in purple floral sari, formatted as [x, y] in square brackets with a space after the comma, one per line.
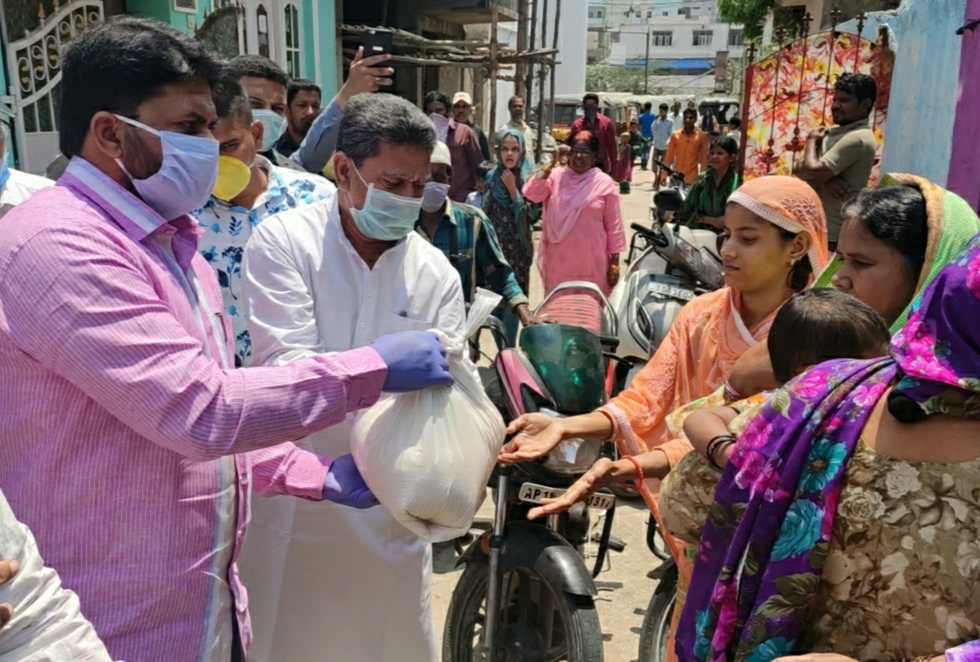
[847, 519]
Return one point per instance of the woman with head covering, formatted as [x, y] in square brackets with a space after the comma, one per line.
[775, 239]
[582, 226]
[894, 240]
[508, 212]
[847, 516]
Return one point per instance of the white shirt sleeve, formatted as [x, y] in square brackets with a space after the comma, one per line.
[282, 319]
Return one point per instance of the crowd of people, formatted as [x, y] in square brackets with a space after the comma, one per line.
[225, 272]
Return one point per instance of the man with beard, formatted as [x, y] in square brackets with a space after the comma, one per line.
[303, 103]
[838, 160]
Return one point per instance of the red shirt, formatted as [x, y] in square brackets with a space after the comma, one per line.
[605, 131]
[466, 155]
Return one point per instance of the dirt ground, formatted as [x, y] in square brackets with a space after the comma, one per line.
[624, 588]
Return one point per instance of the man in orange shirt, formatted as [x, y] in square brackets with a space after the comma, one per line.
[687, 149]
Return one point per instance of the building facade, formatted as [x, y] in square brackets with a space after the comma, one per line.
[300, 35]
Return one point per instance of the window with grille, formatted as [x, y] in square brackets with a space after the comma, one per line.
[292, 41]
[735, 38]
[703, 37]
[662, 38]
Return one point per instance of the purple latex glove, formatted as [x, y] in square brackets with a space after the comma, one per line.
[415, 360]
[345, 486]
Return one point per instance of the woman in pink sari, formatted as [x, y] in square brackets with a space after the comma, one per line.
[582, 224]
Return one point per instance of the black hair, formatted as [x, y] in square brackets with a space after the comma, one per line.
[735, 122]
[726, 143]
[118, 65]
[372, 119]
[591, 96]
[514, 98]
[664, 106]
[896, 216]
[690, 111]
[230, 100]
[648, 106]
[298, 85]
[593, 141]
[799, 275]
[436, 96]
[861, 86]
[256, 66]
[483, 170]
[821, 325]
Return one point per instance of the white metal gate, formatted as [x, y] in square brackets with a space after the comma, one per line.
[35, 73]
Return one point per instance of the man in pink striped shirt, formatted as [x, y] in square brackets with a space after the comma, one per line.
[129, 444]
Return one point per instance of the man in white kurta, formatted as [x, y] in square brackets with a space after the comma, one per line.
[329, 583]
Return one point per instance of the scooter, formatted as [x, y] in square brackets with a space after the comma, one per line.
[526, 593]
[669, 264]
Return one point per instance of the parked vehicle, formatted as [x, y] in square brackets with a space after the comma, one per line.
[668, 265]
[655, 630]
[526, 593]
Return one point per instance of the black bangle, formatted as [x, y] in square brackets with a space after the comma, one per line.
[713, 446]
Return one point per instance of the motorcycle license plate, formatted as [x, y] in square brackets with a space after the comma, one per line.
[532, 493]
[670, 291]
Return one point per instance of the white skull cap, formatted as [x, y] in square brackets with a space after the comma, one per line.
[441, 154]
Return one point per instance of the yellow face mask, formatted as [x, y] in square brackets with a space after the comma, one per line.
[233, 177]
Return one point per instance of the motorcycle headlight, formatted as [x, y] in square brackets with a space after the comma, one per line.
[711, 272]
[573, 456]
[688, 254]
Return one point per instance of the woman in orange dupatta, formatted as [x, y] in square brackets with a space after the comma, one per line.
[775, 240]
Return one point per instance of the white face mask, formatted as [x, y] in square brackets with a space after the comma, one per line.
[434, 197]
[185, 178]
[385, 216]
[273, 124]
[441, 122]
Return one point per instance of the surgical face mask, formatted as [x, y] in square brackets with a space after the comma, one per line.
[441, 123]
[385, 216]
[233, 178]
[273, 124]
[186, 175]
[434, 198]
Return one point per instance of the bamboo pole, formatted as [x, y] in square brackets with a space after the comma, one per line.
[554, 46]
[541, 76]
[521, 46]
[529, 81]
[494, 11]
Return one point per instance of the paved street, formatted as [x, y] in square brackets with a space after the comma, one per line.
[624, 588]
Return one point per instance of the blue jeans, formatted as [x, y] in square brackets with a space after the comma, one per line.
[645, 154]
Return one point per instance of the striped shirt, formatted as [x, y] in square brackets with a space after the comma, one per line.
[128, 446]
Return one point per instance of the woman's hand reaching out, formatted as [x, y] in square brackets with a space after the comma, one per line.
[599, 476]
[537, 434]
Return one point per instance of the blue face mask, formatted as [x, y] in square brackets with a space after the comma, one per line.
[385, 216]
[185, 178]
[4, 173]
[273, 125]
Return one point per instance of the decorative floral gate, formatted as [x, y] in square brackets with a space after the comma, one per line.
[790, 92]
[35, 73]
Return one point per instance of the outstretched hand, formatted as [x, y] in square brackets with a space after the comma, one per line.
[598, 477]
[538, 435]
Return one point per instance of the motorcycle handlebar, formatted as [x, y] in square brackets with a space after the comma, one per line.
[642, 229]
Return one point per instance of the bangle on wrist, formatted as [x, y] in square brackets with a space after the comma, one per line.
[639, 472]
[717, 443]
[731, 395]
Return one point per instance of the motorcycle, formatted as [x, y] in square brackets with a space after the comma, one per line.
[655, 630]
[670, 200]
[526, 593]
[668, 264]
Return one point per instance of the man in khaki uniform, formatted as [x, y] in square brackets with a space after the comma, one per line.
[838, 161]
